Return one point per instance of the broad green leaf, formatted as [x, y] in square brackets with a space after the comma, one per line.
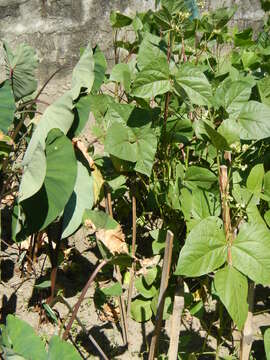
[7, 106]
[153, 80]
[264, 90]
[232, 289]
[43, 207]
[130, 136]
[99, 69]
[266, 339]
[151, 275]
[81, 198]
[58, 115]
[204, 204]
[254, 215]
[119, 20]
[230, 130]
[254, 119]
[152, 47]
[199, 177]
[159, 237]
[147, 291]
[204, 250]
[141, 309]
[24, 340]
[113, 290]
[82, 111]
[167, 311]
[255, 178]
[60, 349]
[233, 95]
[251, 252]
[216, 138]
[34, 172]
[194, 83]
[100, 219]
[186, 202]
[266, 183]
[83, 75]
[20, 69]
[250, 59]
[121, 73]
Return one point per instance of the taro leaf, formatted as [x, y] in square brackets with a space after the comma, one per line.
[204, 250]
[266, 339]
[83, 75]
[33, 174]
[194, 83]
[199, 177]
[254, 118]
[24, 340]
[255, 179]
[81, 198]
[82, 111]
[43, 207]
[119, 20]
[147, 291]
[153, 80]
[141, 309]
[130, 137]
[99, 69]
[113, 290]
[216, 138]
[264, 90]
[7, 106]
[121, 73]
[232, 289]
[251, 252]
[58, 115]
[159, 237]
[20, 67]
[60, 349]
[152, 47]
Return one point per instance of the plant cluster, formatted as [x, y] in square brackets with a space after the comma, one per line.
[180, 199]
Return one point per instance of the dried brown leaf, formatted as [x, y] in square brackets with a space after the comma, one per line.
[113, 239]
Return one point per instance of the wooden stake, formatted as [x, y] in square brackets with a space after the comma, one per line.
[133, 248]
[161, 298]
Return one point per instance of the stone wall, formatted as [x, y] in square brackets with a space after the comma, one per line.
[58, 28]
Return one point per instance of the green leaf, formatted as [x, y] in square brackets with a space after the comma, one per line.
[7, 106]
[204, 250]
[159, 237]
[251, 252]
[266, 183]
[152, 47]
[20, 69]
[266, 339]
[99, 69]
[264, 90]
[58, 115]
[254, 119]
[59, 349]
[167, 311]
[204, 204]
[82, 111]
[141, 309]
[44, 285]
[250, 60]
[34, 172]
[267, 217]
[119, 20]
[217, 139]
[151, 275]
[199, 177]
[194, 83]
[130, 137]
[147, 291]
[81, 198]
[100, 219]
[230, 130]
[113, 290]
[50, 312]
[24, 340]
[255, 178]
[153, 80]
[43, 207]
[121, 73]
[232, 289]
[83, 75]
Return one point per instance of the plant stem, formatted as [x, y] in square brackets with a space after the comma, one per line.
[161, 298]
[83, 293]
[133, 248]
